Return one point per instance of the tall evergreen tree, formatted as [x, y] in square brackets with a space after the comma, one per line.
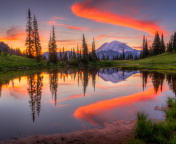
[37, 45]
[174, 41]
[77, 52]
[146, 51]
[123, 54]
[94, 56]
[53, 47]
[163, 47]
[50, 49]
[29, 39]
[143, 47]
[156, 44]
[85, 51]
[61, 58]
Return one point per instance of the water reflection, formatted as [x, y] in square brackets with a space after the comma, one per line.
[35, 84]
[157, 80]
[77, 98]
[53, 80]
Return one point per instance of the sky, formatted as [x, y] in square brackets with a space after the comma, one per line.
[104, 20]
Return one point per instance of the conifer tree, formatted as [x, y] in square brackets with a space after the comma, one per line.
[61, 55]
[77, 52]
[85, 51]
[74, 54]
[123, 54]
[29, 39]
[163, 47]
[52, 47]
[143, 49]
[146, 52]
[94, 56]
[156, 44]
[37, 45]
[174, 41]
[103, 57]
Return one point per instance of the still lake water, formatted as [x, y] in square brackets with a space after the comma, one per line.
[66, 100]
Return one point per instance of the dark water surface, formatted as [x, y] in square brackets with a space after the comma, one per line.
[66, 100]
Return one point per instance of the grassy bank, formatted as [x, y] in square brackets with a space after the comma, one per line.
[18, 61]
[163, 61]
[166, 61]
[156, 132]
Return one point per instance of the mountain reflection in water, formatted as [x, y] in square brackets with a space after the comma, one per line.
[69, 99]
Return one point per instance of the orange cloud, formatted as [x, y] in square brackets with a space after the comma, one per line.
[13, 34]
[84, 9]
[90, 112]
[58, 18]
[68, 26]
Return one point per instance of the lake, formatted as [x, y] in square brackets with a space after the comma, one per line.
[65, 100]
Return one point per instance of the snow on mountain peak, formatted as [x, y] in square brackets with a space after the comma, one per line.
[115, 46]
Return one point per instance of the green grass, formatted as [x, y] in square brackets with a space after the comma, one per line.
[18, 61]
[166, 61]
[162, 61]
[13, 61]
[154, 132]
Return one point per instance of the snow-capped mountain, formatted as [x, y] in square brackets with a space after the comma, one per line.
[116, 48]
[115, 75]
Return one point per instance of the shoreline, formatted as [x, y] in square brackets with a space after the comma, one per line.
[118, 132]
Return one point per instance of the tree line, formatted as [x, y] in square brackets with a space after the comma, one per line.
[158, 46]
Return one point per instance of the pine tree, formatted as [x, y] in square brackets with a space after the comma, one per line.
[103, 58]
[5, 51]
[94, 56]
[174, 41]
[143, 49]
[163, 47]
[107, 57]
[85, 51]
[29, 40]
[156, 44]
[37, 45]
[123, 54]
[117, 57]
[61, 55]
[50, 49]
[74, 54]
[54, 46]
[77, 52]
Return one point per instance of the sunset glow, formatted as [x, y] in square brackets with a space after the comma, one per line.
[90, 112]
[124, 21]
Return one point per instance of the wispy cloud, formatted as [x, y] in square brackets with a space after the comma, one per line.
[13, 34]
[86, 10]
[68, 26]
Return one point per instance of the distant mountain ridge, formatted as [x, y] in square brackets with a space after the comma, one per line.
[111, 49]
[115, 48]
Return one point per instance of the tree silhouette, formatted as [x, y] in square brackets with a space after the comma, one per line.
[35, 84]
[85, 51]
[53, 79]
[29, 39]
[31, 91]
[52, 47]
[37, 45]
[85, 80]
